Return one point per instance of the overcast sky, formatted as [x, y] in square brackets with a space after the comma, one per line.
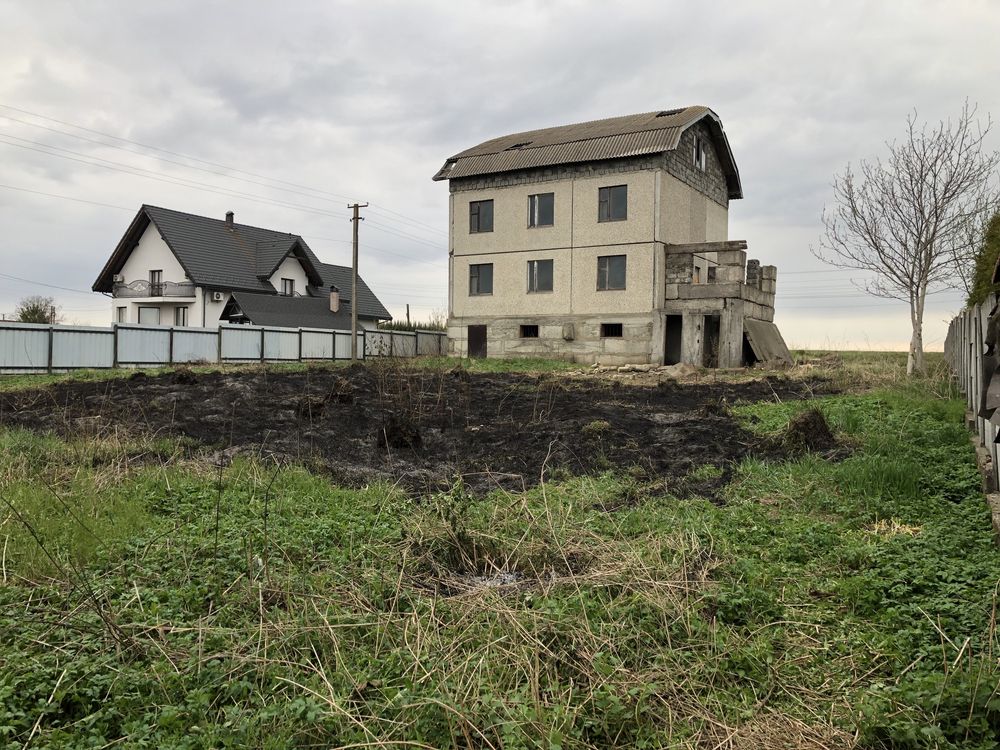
[283, 112]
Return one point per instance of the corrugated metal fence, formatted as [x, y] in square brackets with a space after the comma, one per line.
[964, 350]
[43, 348]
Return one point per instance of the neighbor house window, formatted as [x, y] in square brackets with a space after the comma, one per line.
[156, 283]
[288, 287]
[180, 316]
[610, 272]
[698, 153]
[696, 275]
[611, 330]
[529, 332]
[149, 316]
[122, 316]
[539, 275]
[480, 216]
[541, 210]
[612, 203]
[710, 274]
[481, 278]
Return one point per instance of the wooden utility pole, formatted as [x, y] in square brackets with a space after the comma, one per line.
[355, 220]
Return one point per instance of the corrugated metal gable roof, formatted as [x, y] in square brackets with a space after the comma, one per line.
[596, 140]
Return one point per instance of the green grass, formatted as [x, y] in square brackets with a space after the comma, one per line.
[263, 607]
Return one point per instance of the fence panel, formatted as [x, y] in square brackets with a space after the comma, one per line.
[77, 346]
[146, 345]
[196, 345]
[378, 343]
[344, 345]
[404, 344]
[24, 347]
[318, 344]
[281, 344]
[241, 343]
[429, 344]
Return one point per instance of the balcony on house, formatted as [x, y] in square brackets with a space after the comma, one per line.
[143, 289]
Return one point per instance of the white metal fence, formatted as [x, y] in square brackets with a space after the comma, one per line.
[964, 350]
[46, 348]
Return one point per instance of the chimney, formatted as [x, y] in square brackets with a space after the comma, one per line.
[229, 219]
[334, 299]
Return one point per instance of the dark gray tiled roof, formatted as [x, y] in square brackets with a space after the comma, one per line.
[238, 258]
[340, 277]
[292, 312]
[613, 138]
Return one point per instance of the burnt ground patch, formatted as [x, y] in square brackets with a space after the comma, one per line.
[423, 428]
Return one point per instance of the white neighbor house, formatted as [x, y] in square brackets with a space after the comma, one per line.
[175, 268]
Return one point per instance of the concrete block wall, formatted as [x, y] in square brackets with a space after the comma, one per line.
[503, 338]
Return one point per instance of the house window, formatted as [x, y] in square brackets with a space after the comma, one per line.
[539, 275]
[611, 330]
[698, 153]
[180, 316]
[288, 287]
[149, 316]
[610, 272]
[529, 332]
[122, 315]
[710, 274]
[612, 203]
[156, 283]
[696, 275]
[541, 210]
[480, 216]
[480, 279]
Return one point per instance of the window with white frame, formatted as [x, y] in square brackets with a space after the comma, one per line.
[288, 287]
[122, 315]
[180, 316]
[149, 316]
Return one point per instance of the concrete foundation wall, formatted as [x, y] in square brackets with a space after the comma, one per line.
[503, 338]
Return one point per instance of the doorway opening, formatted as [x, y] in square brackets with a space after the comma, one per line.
[674, 325]
[477, 342]
[710, 354]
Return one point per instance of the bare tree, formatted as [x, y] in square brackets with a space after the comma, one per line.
[37, 309]
[914, 220]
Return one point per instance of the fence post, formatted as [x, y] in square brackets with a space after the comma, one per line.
[218, 343]
[364, 343]
[300, 344]
[52, 335]
[392, 344]
[170, 346]
[262, 344]
[114, 346]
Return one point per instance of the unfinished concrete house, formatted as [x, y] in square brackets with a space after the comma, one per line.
[606, 241]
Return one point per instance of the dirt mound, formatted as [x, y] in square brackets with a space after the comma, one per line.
[809, 432]
[424, 428]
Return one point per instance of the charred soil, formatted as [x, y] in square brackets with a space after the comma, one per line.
[422, 428]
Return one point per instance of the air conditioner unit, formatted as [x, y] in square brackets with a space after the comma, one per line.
[218, 296]
[118, 278]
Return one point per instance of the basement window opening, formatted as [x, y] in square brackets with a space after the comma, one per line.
[529, 331]
[611, 330]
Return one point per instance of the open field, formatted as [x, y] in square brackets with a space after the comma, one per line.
[427, 556]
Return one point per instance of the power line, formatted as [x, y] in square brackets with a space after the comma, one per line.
[42, 283]
[184, 182]
[226, 167]
[65, 197]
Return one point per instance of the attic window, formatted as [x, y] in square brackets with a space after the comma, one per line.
[698, 153]
[518, 145]
[668, 112]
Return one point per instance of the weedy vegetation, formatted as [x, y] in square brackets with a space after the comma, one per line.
[155, 595]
